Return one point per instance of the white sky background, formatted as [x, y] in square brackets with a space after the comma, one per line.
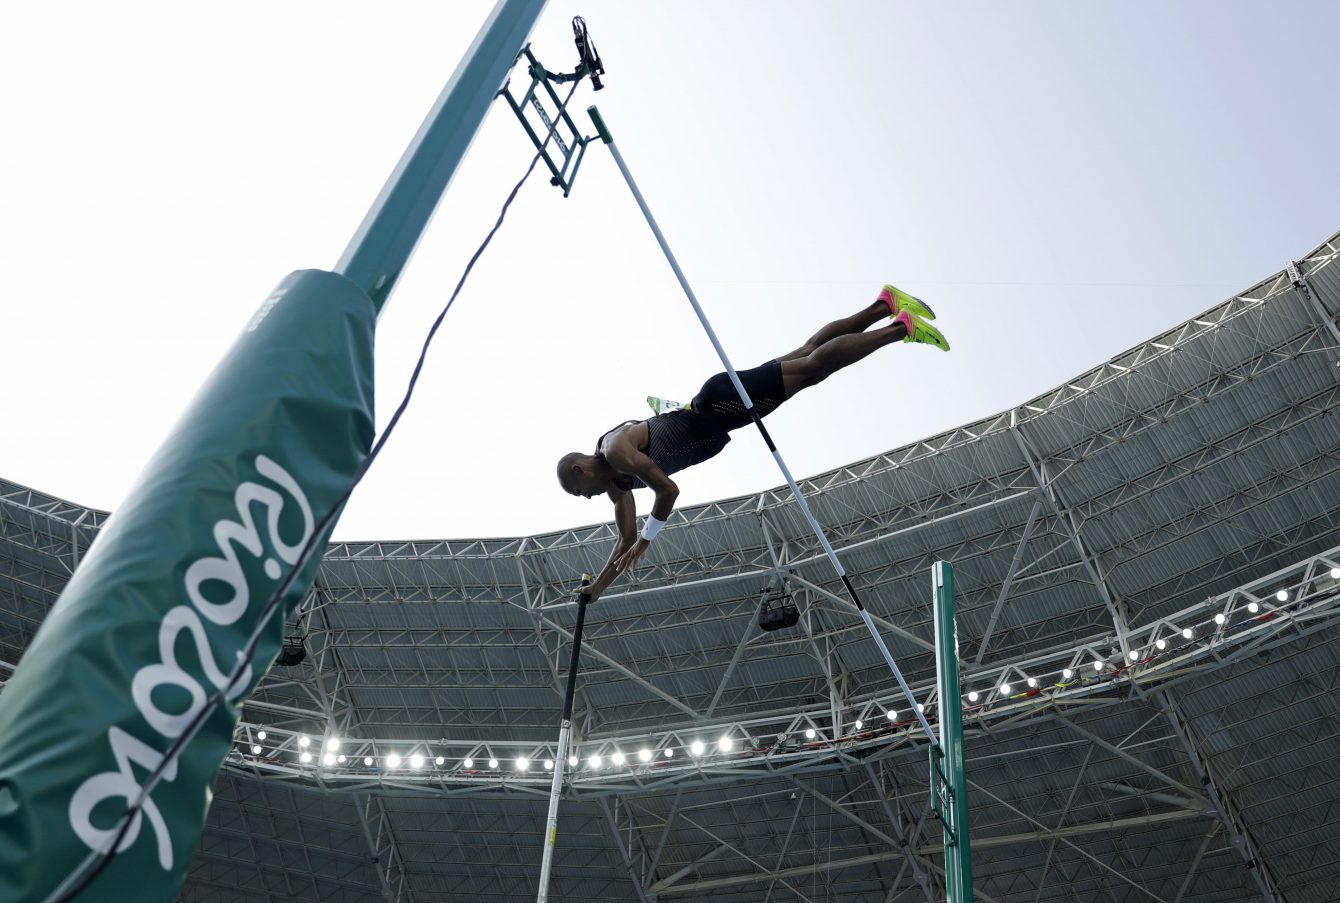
[1060, 180]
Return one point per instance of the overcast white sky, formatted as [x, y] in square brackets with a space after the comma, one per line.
[1061, 181]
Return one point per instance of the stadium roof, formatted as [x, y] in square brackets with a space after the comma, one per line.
[1148, 556]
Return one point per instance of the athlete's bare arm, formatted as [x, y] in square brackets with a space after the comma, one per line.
[625, 519]
[638, 464]
[624, 456]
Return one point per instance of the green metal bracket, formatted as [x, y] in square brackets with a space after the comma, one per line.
[942, 797]
[599, 122]
[568, 140]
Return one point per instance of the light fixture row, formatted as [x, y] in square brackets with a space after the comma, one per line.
[696, 748]
[416, 761]
[1005, 688]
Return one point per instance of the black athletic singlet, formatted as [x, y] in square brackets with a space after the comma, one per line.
[675, 440]
[680, 439]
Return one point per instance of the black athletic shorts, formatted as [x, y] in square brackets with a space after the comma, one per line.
[719, 400]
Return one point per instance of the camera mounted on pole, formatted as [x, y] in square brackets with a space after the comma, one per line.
[776, 611]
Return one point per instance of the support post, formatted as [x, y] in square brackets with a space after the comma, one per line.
[949, 784]
[384, 242]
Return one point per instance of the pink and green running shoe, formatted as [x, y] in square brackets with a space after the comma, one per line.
[899, 300]
[918, 330]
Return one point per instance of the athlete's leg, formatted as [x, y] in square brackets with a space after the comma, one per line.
[841, 351]
[857, 322]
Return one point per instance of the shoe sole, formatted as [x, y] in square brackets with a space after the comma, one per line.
[936, 337]
[909, 303]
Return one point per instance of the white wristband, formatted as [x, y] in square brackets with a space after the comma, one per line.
[651, 528]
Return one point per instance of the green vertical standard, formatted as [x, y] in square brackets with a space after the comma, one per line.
[382, 246]
[949, 791]
[159, 616]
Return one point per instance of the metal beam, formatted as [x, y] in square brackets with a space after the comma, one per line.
[1143, 766]
[1180, 802]
[786, 844]
[1070, 800]
[1009, 578]
[730, 669]
[386, 856]
[251, 845]
[1063, 833]
[918, 830]
[1301, 284]
[918, 872]
[665, 832]
[828, 659]
[329, 681]
[799, 871]
[662, 888]
[850, 606]
[845, 812]
[1067, 520]
[1228, 814]
[1195, 862]
[1042, 835]
[623, 853]
[620, 667]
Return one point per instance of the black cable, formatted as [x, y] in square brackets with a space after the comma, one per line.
[245, 658]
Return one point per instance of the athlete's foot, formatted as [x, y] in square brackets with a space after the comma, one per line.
[899, 300]
[918, 330]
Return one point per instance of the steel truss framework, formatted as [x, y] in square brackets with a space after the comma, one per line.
[1178, 487]
[1217, 632]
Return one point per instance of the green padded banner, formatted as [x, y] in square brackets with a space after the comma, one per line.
[156, 615]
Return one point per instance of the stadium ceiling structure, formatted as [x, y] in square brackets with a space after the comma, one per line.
[1148, 566]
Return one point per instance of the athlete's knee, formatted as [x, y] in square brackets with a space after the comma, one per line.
[797, 374]
[821, 365]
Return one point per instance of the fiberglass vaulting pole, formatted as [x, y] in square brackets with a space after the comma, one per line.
[561, 754]
[758, 422]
